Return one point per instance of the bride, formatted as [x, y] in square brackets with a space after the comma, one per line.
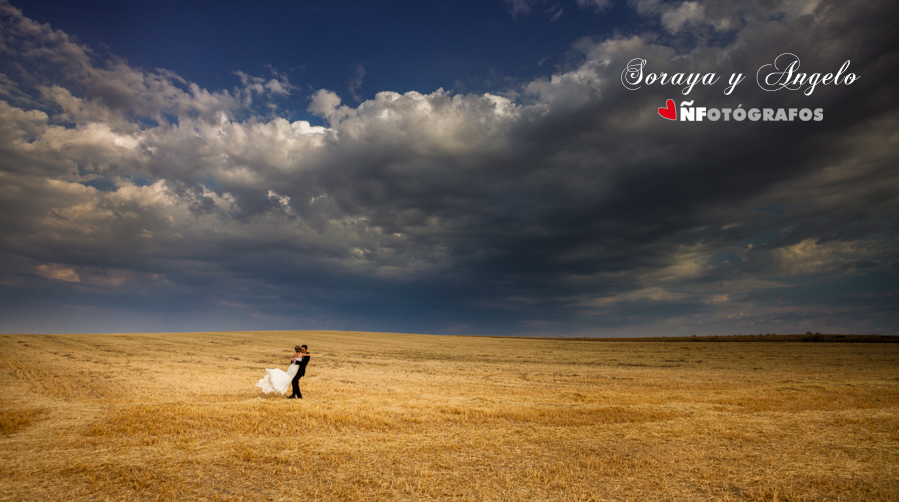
[278, 380]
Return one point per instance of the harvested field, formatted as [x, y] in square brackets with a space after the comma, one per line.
[416, 417]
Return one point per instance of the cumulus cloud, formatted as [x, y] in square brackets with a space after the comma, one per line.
[561, 206]
[324, 103]
[58, 272]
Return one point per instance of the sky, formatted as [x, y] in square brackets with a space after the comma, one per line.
[489, 167]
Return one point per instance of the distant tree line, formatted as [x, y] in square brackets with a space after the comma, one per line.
[769, 337]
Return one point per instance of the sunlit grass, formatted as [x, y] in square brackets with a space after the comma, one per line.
[16, 419]
[408, 417]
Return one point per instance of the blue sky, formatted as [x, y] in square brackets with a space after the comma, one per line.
[452, 168]
[400, 46]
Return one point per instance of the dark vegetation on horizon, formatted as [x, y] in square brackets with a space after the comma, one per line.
[808, 337]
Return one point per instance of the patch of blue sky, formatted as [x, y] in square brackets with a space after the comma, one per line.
[209, 183]
[100, 183]
[141, 181]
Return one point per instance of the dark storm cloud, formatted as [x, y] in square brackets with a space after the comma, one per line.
[564, 206]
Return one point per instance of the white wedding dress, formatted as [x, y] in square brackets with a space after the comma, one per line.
[278, 380]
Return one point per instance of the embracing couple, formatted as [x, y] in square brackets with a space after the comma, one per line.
[277, 380]
[300, 360]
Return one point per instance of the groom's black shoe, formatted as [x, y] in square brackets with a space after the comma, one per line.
[291, 397]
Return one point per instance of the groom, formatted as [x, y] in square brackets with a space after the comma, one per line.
[302, 359]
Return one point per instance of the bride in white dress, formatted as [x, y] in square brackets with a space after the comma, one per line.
[278, 380]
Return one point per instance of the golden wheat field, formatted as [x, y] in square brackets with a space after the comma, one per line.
[416, 417]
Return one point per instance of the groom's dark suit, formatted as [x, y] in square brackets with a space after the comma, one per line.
[303, 361]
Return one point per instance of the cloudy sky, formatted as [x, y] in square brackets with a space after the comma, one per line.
[461, 167]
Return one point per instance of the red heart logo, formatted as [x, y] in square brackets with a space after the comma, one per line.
[669, 112]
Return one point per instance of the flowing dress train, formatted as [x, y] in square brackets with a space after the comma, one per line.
[277, 380]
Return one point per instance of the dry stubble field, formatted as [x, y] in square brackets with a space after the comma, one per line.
[413, 417]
